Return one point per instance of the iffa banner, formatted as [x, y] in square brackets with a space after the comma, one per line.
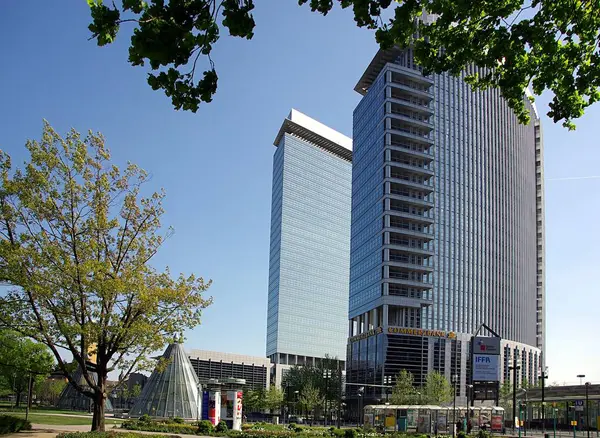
[486, 368]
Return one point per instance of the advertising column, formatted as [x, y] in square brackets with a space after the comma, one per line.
[214, 407]
[237, 414]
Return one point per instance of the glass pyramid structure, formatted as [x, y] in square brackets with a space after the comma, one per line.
[172, 391]
[72, 400]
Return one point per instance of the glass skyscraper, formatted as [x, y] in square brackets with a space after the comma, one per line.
[447, 227]
[310, 243]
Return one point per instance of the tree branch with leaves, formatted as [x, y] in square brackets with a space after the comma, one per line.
[171, 37]
[551, 45]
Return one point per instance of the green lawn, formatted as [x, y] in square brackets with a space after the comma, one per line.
[40, 418]
[40, 411]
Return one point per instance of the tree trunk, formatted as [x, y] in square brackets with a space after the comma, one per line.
[18, 399]
[98, 407]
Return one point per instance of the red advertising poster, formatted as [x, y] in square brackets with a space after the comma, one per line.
[497, 423]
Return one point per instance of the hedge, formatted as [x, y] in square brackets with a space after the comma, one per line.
[10, 424]
[110, 434]
[156, 426]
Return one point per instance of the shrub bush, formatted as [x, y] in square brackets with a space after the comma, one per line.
[145, 418]
[221, 427]
[10, 424]
[350, 433]
[336, 433]
[158, 426]
[178, 420]
[110, 434]
[205, 427]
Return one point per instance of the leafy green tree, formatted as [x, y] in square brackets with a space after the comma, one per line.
[273, 398]
[130, 394]
[136, 391]
[310, 398]
[404, 392]
[324, 375]
[49, 390]
[516, 43]
[76, 241]
[22, 359]
[254, 400]
[437, 389]
[506, 395]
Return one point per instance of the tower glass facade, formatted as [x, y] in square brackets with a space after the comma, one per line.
[445, 225]
[310, 243]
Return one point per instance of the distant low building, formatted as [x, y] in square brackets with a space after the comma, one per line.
[216, 365]
[136, 379]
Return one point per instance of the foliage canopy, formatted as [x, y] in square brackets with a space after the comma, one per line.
[21, 358]
[550, 45]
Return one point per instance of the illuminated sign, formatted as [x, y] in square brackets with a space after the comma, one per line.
[404, 331]
[366, 335]
[421, 332]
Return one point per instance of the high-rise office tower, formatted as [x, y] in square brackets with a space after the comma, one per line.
[447, 227]
[310, 243]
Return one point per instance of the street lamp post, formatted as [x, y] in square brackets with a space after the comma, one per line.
[361, 389]
[454, 380]
[515, 367]
[339, 396]
[526, 416]
[387, 381]
[587, 410]
[580, 377]
[296, 393]
[469, 389]
[543, 377]
[287, 405]
[326, 376]
[554, 418]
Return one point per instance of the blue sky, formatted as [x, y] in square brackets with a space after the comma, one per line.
[216, 164]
